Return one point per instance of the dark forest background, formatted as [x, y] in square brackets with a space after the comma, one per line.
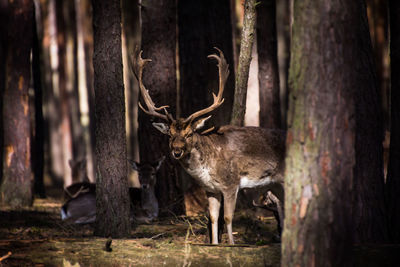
[326, 71]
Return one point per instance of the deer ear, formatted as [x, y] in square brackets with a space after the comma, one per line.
[134, 164]
[159, 163]
[200, 123]
[162, 127]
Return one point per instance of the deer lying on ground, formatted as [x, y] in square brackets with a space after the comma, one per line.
[223, 160]
[80, 207]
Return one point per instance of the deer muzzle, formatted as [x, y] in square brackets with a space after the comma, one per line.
[177, 153]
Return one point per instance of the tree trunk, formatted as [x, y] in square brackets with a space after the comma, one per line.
[16, 187]
[199, 75]
[378, 20]
[159, 44]
[321, 137]
[242, 76]
[369, 209]
[84, 36]
[3, 52]
[131, 32]
[112, 200]
[284, 17]
[38, 132]
[268, 73]
[393, 178]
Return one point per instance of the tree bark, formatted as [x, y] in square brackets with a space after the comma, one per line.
[242, 76]
[268, 73]
[17, 181]
[321, 139]
[159, 76]
[112, 200]
[199, 75]
[393, 178]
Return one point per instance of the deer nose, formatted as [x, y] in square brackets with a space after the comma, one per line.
[145, 186]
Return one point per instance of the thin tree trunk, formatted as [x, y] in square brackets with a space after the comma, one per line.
[321, 135]
[159, 44]
[131, 32]
[84, 49]
[242, 77]
[112, 200]
[393, 178]
[369, 209]
[38, 135]
[268, 73]
[199, 75]
[17, 181]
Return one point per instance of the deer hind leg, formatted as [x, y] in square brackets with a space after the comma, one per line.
[214, 203]
[229, 209]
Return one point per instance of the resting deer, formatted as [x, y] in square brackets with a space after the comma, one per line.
[80, 206]
[223, 160]
[147, 208]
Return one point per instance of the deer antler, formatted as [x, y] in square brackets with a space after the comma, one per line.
[152, 110]
[223, 69]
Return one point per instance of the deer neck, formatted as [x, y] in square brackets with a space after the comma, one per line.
[199, 162]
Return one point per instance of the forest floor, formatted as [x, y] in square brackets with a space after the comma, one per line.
[36, 236]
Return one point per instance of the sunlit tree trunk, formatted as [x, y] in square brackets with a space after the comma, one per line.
[268, 72]
[242, 75]
[159, 76]
[112, 200]
[17, 181]
[84, 55]
[199, 75]
[131, 34]
[393, 178]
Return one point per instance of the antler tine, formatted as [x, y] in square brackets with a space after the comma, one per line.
[223, 71]
[152, 110]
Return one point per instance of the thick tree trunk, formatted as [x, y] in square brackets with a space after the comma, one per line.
[242, 76]
[159, 76]
[321, 138]
[112, 200]
[393, 178]
[16, 186]
[369, 209]
[202, 26]
[268, 73]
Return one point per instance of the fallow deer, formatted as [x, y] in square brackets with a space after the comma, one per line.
[223, 160]
[80, 206]
[146, 209]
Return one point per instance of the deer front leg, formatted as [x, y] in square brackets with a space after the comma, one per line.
[229, 209]
[214, 204]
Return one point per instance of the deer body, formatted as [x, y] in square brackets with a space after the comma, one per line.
[222, 160]
[228, 158]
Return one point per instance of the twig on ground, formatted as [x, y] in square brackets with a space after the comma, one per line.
[5, 256]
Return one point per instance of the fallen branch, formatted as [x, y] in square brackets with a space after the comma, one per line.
[5, 256]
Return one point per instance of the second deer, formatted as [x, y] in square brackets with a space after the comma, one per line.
[223, 160]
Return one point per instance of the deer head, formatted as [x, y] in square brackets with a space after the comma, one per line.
[181, 130]
[147, 172]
